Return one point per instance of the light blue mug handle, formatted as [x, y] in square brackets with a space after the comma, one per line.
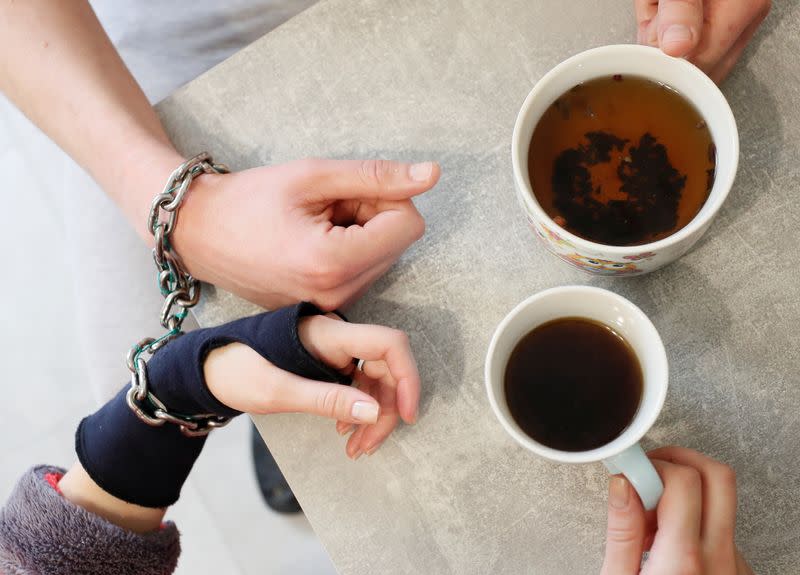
[635, 465]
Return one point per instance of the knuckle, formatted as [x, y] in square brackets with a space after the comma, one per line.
[417, 226]
[724, 475]
[691, 562]
[690, 3]
[688, 477]
[325, 275]
[374, 172]
[400, 338]
[327, 401]
[306, 168]
[327, 301]
[621, 534]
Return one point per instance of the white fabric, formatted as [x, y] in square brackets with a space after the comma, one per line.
[165, 44]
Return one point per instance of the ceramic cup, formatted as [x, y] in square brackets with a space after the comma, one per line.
[650, 63]
[623, 454]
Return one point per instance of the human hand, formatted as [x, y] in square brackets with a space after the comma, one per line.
[694, 522]
[710, 33]
[314, 230]
[388, 388]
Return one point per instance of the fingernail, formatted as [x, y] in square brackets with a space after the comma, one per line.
[618, 493]
[357, 454]
[372, 449]
[676, 33]
[345, 430]
[421, 172]
[364, 412]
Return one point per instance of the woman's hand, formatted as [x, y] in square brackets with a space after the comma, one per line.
[314, 230]
[386, 391]
[710, 33]
[692, 532]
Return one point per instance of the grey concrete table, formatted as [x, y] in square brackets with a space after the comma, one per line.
[413, 80]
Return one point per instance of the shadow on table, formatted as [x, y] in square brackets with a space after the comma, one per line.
[761, 133]
[430, 329]
[698, 332]
[726, 401]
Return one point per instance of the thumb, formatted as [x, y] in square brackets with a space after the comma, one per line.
[368, 179]
[294, 394]
[626, 530]
[680, 23]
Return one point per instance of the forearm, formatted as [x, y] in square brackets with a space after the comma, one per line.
[44, 531]
[61, 70]
[80, 489]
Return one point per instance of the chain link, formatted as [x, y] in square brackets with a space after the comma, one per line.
[181, 292]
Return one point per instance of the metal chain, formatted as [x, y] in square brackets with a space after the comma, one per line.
[181, 292]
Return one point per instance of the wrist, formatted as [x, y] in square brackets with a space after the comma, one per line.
[79, 488]
[196, 231]
[131, 460]
[136, 177]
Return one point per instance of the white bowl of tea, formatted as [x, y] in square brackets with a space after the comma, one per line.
[622, 157]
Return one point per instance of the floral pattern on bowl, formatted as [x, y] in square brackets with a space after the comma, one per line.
[565, 250]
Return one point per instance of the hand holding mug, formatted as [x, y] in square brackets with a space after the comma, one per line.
[694, 523]
[621, 452]
[711, 33]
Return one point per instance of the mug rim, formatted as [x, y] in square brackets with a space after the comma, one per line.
[613, 447]
[716, 197]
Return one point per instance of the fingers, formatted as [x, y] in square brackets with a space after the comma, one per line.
[345, 295]
[358, 248]
[383, 390]
[676, 548]
[646, 11]
[726, 64]
[742, 567]
[718, 493]
[711, 34]
[241, 378]
[353, 447]
[329, 180]
[726, 24]
[344, 427]
[680, 26]
[626, 531]
[295, 394]
[337, 343]
[366, 439]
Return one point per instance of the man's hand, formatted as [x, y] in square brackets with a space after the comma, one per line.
[315, 230]
[710, 33]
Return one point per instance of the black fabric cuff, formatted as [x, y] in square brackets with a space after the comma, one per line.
[176, 371]
[148, 465]
[134, 461]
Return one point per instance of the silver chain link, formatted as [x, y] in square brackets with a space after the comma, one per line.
[181, 292]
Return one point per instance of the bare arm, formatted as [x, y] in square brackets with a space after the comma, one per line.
[78, 487]
[61, 70]
[261, 233]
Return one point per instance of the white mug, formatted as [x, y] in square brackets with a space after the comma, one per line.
[649, 63]
[623, 454]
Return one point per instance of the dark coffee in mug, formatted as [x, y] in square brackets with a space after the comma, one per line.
[573, 384]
